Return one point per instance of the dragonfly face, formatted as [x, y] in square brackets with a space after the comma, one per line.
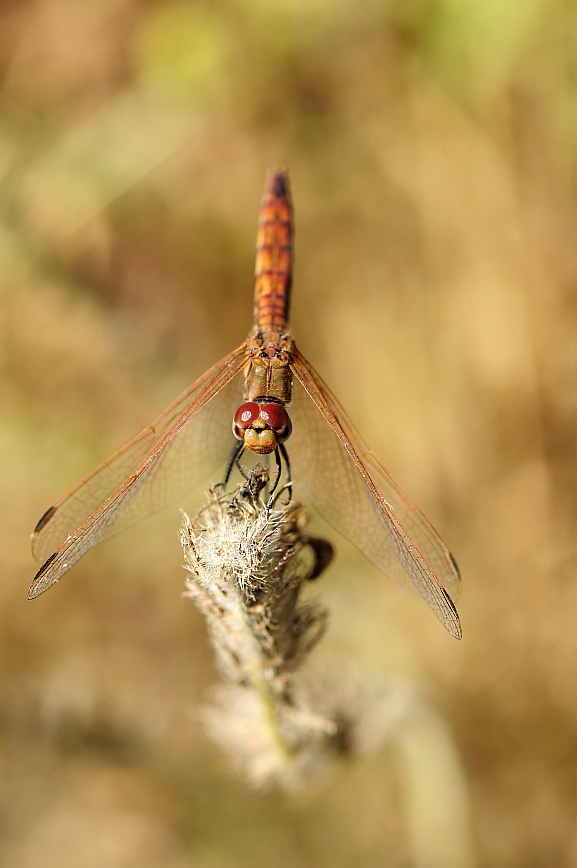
[261, 426]
[262, 422]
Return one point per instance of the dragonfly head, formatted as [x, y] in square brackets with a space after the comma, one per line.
[261, 426]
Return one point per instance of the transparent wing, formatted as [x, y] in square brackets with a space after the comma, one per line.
[79, 503]
[348, 486]
[86, 496]
[190, 439]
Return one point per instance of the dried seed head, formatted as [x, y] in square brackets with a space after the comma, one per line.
[247, 565]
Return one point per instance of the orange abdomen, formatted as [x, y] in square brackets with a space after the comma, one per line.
[273, 271]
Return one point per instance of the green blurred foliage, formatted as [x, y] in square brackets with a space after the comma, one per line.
[180, 48]
[475, 46]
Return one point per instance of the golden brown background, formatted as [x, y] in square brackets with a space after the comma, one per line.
[432, 150]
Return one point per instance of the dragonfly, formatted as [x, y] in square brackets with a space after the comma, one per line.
[278, 407]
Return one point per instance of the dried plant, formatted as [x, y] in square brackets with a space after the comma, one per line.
[248, 563]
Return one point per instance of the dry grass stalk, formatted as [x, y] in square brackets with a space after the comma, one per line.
[248, 564]
[247, 567]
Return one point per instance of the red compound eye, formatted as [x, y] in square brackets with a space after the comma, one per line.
[277, 418]
[274, 415]
[246, 414]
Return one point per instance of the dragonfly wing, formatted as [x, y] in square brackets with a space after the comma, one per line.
[190, 439]
[80, 502]
[348, 486]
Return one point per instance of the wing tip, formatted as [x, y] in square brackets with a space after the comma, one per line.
[43, 520]
[453, 624]
[455, 565]
[457, 632]
[37, 588]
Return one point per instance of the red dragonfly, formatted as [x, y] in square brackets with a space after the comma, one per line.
[192, 437]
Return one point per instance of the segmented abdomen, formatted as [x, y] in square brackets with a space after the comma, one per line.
[273, 269]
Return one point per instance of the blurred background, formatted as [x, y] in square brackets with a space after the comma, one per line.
[432, 149]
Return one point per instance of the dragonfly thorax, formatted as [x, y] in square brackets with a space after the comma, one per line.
[268, 373]
[261, 425]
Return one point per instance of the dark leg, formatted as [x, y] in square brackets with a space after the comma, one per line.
[237, 452]
[289, 482]
[277, 478]
[284, 454]
[238, 465]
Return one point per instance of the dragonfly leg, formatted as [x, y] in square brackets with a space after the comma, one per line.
[284, 454]
[271, 498]
[234, 459]
[238, 465]
[289, 482]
